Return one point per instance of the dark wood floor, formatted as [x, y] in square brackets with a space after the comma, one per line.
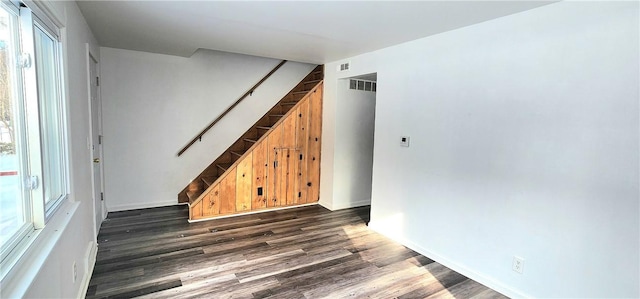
[307, 252]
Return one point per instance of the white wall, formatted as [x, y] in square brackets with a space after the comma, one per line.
[46, 271]
[524, 141]
[354, 153]
[154, 104]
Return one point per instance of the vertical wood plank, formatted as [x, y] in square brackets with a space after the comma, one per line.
[244, 182]
[260, 165]
[315, 134]
[291, 172]
[196, 211]
[211, 203]
[281, 177]
[289, 131]
[273, 147]
[302, 139]
[286, 173]
[228, 193]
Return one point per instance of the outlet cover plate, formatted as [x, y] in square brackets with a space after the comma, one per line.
[518, 264]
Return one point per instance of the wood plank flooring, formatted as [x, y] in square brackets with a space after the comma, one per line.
[307, 252]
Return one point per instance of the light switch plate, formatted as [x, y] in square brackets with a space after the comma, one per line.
[404, 141]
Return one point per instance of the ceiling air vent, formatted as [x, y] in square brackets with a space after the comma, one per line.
[344, 67]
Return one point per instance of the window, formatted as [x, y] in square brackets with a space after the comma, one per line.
[14, 201]
[51, 112]
[33, 148]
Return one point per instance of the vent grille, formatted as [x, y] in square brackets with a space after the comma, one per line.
[344, 67]
[365, 85]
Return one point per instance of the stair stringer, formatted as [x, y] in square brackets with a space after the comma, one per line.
[229, 193]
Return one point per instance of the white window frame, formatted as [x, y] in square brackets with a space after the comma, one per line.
[37, 213]
[50, 207]
[15, 242]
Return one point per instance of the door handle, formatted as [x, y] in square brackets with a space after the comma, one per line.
[96, 160]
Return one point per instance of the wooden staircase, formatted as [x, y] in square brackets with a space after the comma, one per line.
[216, 175]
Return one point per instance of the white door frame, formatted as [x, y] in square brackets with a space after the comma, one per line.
[98, 203]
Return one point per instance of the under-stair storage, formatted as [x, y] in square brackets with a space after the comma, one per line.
[281, 168]
[275, 163]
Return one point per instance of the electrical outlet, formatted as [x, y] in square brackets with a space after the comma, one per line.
[518, 264]
[75, 272]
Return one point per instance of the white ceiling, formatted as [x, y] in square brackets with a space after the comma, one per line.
[306, 31]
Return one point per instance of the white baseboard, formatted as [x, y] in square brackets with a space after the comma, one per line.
[136, 206]
[90, 262]
[453, 265]
[254, 212]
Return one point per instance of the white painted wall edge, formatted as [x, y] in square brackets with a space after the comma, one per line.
[22, 274]
[325, 203]
[329, 205]
[145, 205]
[355, 204]
[478, 277]
[90, 262]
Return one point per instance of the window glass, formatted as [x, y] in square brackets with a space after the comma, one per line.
[52, 125]
[15, 217]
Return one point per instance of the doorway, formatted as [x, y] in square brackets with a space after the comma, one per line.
[96, 143]
[355, 114]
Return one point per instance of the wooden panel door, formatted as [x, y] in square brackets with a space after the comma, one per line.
[274, 143]
[211, 202]
[286, 176]
[228, 193]
[313, 159]
[244, 173]
[260, 167]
